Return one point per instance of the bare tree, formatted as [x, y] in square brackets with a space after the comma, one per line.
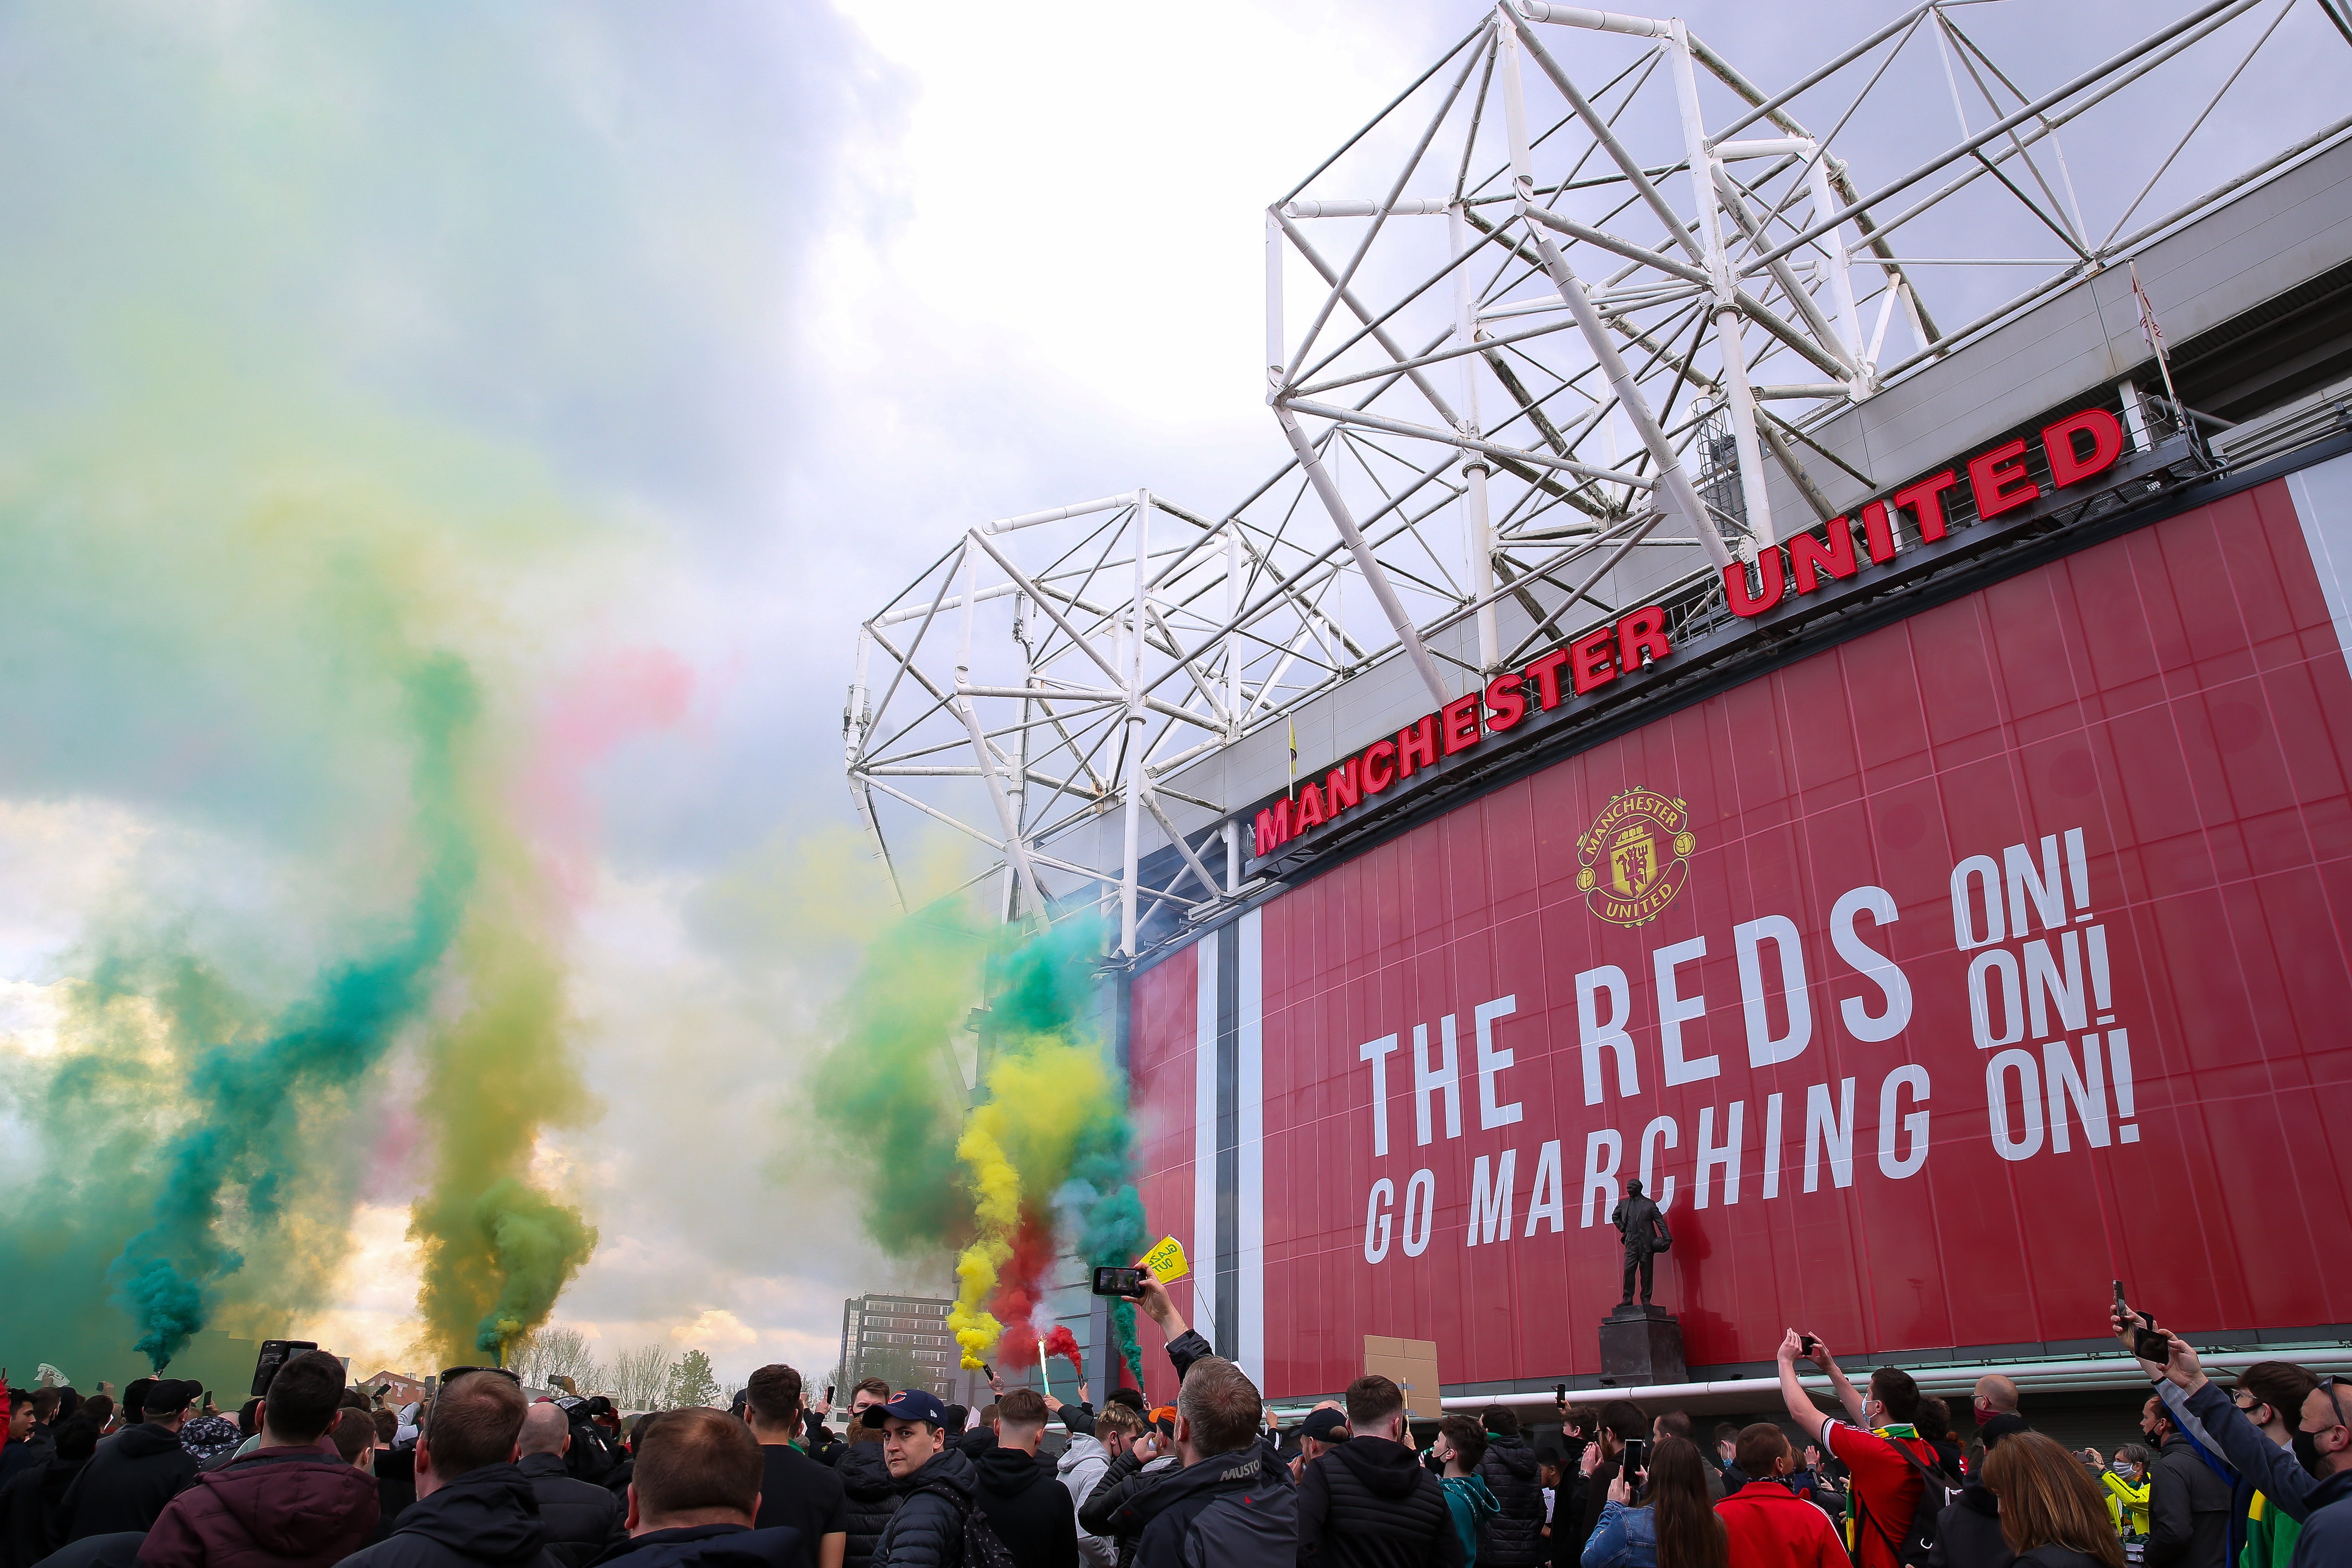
[640, 1377]
[550, 1353]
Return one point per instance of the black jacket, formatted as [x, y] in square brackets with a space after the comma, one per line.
[1122, 1481]
[1967, 1533]
[1568, 1546]
[1368, 1504]
[32, 1511]
[395, 1488]
[927, 1530]
[128, 1481]
[583, 1520]
[593, 1453]
[709, 1546]
[2188, 1510]
[1515, 1537]
[972, 1445]
[1236, 1511]
[1028, 1508]
[485, 1518]
[871, 1496]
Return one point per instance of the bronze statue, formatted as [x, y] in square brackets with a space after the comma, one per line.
[1642, 1227]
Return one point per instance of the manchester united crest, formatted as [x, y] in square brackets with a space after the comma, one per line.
[1637, 857]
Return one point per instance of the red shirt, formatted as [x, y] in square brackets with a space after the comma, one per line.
[1885, 1488]
[1772, 1526]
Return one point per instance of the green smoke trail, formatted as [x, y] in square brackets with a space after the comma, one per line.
[889, 1086]
[1052, 1112]
[245, 1094]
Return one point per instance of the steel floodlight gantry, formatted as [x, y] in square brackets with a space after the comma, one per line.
[1530, 331]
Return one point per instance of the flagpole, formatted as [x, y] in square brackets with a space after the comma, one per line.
[2155, 336]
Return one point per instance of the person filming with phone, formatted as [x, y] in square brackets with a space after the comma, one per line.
[1892, 1466]
[2309, 1481]
[1675, 1526]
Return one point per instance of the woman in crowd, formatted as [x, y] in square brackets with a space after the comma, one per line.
[2050, 1511]
[1676, 1527]
[2125, 1481]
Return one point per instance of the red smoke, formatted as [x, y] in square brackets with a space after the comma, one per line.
[1059, 1341]
[1018, 1290]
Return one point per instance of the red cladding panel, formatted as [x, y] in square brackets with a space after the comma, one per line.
[1164, 1043]
[2134, 760]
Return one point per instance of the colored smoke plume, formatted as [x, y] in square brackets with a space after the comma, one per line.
[244, 1096]
[1019, 1285]
[1059, 1341]
[319, 879]
[1048, 1138]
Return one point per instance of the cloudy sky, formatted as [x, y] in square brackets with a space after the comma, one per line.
[771, 299]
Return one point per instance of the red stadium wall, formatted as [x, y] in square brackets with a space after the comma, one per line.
[2137, 753]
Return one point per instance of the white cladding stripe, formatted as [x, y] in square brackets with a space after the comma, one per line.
[1204, 1249]
[2323, 500]
[1250, 1209]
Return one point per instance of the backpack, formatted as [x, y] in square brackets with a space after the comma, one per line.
[1937, 1492]
[981, 1547]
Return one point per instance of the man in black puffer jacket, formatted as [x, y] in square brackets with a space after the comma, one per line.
[1515, 1537]
[474, 1508]
[128, 1480]
[870, 1494]
[1368, 1504]
[936, 1484]
[582, 1519]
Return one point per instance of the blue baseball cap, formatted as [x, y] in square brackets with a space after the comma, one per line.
[910, 1404]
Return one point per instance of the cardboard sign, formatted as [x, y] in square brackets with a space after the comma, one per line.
[1412, 1365]
[1166, 1261]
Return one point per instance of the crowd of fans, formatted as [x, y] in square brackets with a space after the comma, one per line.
[315, 1474]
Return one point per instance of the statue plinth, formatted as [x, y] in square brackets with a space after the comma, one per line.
[1641, 1344]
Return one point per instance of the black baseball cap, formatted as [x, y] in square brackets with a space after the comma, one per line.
[1325, 1425]
[170, 1396]
[912, 1404]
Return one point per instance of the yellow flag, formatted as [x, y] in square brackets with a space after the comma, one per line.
[1166, 1261]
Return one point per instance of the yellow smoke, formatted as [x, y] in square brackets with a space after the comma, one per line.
[1016, 1147]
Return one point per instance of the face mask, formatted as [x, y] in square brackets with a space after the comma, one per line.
[2306, 1450]
[2121, 1467]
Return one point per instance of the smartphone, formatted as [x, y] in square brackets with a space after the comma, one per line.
[208, 1403]
[1559, 1391]
[828, 1393]
[1636, 1458]
[1808, 1344]
[1111, 1280]
[2145, 1345]
[276, 1354]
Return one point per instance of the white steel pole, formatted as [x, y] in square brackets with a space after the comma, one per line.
[1817, 179]
[1276, 355]
[1671, 478]
[1480, 530]
[1016, 850]
[1140, 534]
[1232, 857]
[1382, 590]
[1738, 396]
[1232, 637]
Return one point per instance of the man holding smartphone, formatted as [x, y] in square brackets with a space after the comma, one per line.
[1871, 1442]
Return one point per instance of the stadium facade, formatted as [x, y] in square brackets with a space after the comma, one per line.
[1934, 891]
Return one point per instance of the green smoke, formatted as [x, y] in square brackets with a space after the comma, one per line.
[889, 1085]
[245, 1094]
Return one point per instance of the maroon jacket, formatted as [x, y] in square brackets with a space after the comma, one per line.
[275, 1508]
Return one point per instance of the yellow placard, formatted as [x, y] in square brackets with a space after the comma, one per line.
[1166, 1261]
